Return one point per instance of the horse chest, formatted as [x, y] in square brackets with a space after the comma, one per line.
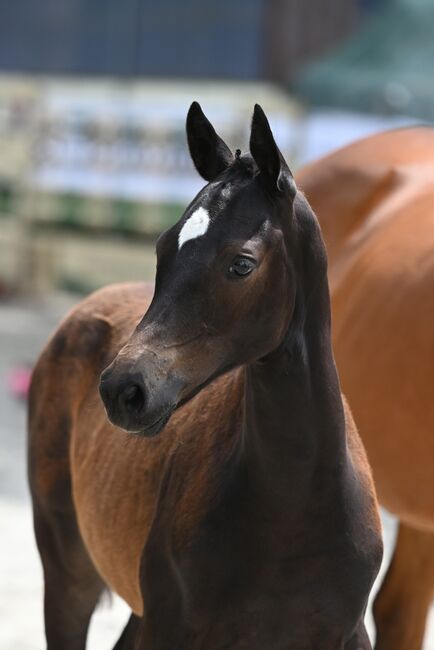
[233, 593]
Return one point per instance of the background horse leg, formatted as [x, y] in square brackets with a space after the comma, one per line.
[401, 606]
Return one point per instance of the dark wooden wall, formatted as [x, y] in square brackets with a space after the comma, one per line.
[244, 39]
[297, 31]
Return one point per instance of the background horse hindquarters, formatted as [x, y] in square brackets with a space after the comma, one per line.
[110, 479]
[374, 200]
[65, 377]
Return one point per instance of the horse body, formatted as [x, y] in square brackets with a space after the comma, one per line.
[117, 497]
[375, 200]
[251, 520]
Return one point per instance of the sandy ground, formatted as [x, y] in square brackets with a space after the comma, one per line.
[23, 331]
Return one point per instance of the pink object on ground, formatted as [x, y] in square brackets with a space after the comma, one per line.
[18, 382]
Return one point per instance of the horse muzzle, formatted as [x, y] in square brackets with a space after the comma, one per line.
[138, 403]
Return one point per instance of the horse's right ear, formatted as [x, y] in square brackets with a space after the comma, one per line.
[210, 154]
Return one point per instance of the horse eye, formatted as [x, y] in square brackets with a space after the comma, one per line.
[241, 266]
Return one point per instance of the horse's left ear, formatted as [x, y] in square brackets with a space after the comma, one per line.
[210, 154]
[267, 155]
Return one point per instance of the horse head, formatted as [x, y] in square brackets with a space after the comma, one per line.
[226, 280]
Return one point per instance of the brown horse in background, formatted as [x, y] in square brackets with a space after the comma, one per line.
[250, 521]
[375, 202]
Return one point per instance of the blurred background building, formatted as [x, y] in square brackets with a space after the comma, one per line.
[93, 97]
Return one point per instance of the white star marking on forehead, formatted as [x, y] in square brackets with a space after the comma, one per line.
[195, 226]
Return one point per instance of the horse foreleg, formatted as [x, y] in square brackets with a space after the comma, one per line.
[128, 638]
[402, 604]
[360, 640]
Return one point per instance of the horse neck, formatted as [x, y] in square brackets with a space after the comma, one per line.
[294, 422]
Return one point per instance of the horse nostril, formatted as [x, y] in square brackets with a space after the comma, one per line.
[133, 398]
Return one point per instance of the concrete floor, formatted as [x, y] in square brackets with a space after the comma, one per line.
[23, 331]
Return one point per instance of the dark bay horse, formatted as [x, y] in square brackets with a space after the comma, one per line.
[375, 202]
[242, 512]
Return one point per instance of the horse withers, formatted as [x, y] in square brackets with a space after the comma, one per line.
[241, 513]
